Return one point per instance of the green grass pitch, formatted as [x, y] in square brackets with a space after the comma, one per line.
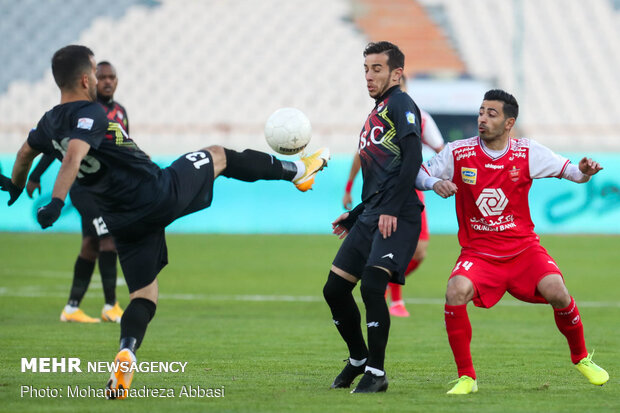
[246, 313]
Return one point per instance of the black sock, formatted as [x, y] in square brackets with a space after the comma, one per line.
[346, 315]
[252, 165]
[107, 269]
[82, 273]
[374, 283]
[136, 318]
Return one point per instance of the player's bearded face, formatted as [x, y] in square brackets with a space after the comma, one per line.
[491, 120]
[106, 81]
[378, 74]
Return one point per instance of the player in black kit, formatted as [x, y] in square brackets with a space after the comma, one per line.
[97, 243]
[382, 232]
[138, 199]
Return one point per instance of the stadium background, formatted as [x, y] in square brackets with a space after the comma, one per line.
[246, 311]
[193, 73]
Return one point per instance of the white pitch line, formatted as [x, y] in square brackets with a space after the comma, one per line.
[32, 291]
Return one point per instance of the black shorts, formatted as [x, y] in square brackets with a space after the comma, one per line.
[187, 186]
[364, 246]
[92, 221]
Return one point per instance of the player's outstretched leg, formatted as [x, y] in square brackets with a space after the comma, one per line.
[251, 166]
[374, 282]
[312, 164]
[568, 321]
[82, 273]
[345, 313]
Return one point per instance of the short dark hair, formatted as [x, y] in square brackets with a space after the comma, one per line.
[69, 63]
[396, 58]
[511, 107]
[104, 63]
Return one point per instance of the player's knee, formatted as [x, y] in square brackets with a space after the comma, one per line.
[90, 248]
[459, 291]
[218, 156]
[107, 244]
[150, 292]
[374, 283]
[552, 288]
[420, 254]
[336, 287]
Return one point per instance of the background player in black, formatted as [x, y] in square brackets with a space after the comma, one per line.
[107, 82]
[138, 199]
[97, 243]
[383, 230]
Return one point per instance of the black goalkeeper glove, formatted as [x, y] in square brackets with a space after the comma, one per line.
[7, 185]
[48, 214]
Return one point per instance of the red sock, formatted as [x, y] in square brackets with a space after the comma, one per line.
[413, 264]
[459, 336]
[568, 321]
[396, 292]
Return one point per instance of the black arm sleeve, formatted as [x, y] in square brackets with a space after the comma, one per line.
[44, 163]
[411, 149]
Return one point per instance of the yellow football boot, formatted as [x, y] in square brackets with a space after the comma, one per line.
[112, 315]
[595, 374]
[464, 385]
[314, 163]
[77, 316]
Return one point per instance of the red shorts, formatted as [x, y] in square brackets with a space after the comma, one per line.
[424, 234]
[519, 275]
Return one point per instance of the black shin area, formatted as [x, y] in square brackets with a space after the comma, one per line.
[107, 269]
[136, 318]
[346, 315]
[374, 283]
[82, 273]
[250, 166]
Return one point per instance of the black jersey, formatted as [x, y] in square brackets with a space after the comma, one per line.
[115, 170]
[115, 111]
[394, 117]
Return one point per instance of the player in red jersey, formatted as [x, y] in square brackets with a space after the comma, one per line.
[491, 175]
[431, 137]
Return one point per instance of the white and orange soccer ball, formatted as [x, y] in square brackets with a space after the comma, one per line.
[288, 131]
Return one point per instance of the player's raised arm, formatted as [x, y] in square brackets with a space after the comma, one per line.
[545, 163]
[76, 151]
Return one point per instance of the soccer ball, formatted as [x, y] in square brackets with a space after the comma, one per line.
[288, 131]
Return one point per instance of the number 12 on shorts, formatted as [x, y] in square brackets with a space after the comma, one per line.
[465, 264]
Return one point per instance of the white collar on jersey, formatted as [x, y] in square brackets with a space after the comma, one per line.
[494, 154]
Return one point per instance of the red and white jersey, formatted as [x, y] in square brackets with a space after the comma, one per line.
[492, 198]
[431, 136]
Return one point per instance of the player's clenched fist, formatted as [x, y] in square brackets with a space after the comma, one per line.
[444, 188]
[589, 167]
[7, 185]
[48, 214]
